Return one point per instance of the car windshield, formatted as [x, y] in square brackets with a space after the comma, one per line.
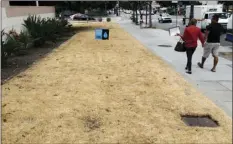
[165, 14]
[221, 15]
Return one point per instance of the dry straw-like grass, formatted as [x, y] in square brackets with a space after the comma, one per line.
[105, 92]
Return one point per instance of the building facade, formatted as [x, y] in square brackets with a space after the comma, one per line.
[12, 16]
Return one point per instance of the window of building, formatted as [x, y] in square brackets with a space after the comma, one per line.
[22, 3]
[48, 3]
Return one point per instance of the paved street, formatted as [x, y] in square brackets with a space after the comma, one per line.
[216, 86]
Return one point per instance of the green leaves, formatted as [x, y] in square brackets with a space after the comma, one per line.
[4, 55]
[38, 31]
[10, 45]
[16, 44]
[34, 25]
[108, 19]
[24, 39]
[44, 29]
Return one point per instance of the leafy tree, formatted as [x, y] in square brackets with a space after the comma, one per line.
[136, 6]
[126, 5]
[165, 3]
[81, 6]
[226, 4]
[150, 10]
[169, 3]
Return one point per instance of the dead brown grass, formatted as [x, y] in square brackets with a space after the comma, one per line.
[111, 91]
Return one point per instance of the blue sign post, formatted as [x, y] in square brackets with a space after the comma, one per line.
[102, 34]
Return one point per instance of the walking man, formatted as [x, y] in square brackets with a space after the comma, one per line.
[213, 33]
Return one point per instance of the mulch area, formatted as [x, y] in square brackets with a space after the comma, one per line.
[17, 64]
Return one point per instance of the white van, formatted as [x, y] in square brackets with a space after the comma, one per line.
[205, 13]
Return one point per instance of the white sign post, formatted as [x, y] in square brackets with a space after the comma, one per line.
[86, 13]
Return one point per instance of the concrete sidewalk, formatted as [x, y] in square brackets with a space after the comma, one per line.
[216, 86]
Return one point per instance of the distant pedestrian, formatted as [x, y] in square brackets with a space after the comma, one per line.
[213, 33]
[190, 37]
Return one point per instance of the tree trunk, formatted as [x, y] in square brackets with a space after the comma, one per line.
[150, 18]
[133, 17]
[146, 13]
[140, 12]
[227, 8]
[134, 14]
[136, 8]
[119, 10]
[140, 8]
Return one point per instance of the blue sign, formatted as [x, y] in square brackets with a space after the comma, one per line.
[105, 35]
[98, 34]
[101, 34]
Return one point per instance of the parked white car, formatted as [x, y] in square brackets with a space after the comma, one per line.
[164, 18]
[79, 16]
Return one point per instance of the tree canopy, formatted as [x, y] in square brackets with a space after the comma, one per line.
[169, 3]
[226, 4]
[81, 6]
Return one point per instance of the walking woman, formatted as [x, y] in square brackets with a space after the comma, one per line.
[190, 37]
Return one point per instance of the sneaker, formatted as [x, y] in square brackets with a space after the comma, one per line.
[188, 72]
[199, 64]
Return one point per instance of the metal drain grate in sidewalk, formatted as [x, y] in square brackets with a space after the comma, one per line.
[164, 45]
[200, 121]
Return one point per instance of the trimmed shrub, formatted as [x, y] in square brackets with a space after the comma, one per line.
[16, 44]
[100, 19]
[38, 31]
[11, 43]
[34, 25]
[44, 29]
[24, 40]
[9, 46]
[4, 55]
[108, 19]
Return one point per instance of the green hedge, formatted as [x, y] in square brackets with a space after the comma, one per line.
[108, 19]
[38, 31]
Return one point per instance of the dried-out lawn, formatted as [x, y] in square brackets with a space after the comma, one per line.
[113, 91]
